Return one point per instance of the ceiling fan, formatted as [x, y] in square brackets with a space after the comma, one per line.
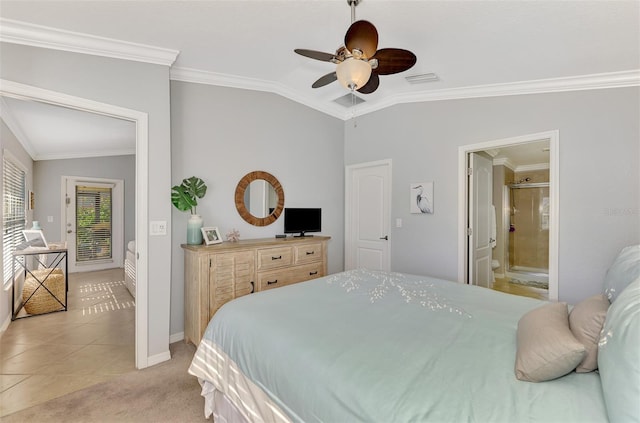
[359, 63]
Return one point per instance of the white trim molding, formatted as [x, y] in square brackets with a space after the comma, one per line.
[232, 81]
[17, 32]
[630, 78]
[16, 129]
[141, 119]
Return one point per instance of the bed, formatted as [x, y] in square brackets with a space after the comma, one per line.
[390, 347]
[130, 268]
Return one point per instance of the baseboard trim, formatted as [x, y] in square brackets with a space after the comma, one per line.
[158, 358]
[6, 323]
[176, 337]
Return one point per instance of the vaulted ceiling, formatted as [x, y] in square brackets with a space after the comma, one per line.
[475, 48]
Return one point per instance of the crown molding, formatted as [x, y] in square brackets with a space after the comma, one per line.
[85, 155]
[621, 79]
[16, 129]
[503, 161]
[17, 32]
[629, 78]
[232, 81]
[531, 167]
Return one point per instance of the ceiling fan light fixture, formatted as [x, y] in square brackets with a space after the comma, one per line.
[353, 73]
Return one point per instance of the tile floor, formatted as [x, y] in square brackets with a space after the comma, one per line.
[47, 356]
[503, 285]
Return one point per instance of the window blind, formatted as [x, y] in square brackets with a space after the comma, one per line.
[93, 223]
[14, 212]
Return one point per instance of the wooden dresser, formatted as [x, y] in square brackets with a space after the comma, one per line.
[216, 274]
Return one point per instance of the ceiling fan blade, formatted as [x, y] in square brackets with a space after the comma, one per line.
[362, 35]
[313, 54]
[325, 80]
[372, 84]
[394, 60]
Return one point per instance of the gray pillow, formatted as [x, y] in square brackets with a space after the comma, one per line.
[619, 356]
[586, 320]
[546, 348]
[624, 270]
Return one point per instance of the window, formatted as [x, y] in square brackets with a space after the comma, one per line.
[14, 211]
[93, 223]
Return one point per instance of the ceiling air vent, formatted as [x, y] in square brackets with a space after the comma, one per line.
[349, 100]
[421, 79]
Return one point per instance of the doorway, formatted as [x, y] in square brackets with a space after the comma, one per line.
[30, 93]
[93, 216]
[367, 216]
[520, 257]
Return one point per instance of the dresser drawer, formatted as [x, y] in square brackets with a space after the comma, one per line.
[278, 278]
[307, 253]
[272, 258]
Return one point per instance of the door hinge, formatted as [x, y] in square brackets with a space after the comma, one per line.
[469, 171]
[209, 262]
[67, 200]
[469, 232]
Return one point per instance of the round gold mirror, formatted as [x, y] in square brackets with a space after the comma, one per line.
[259, 198]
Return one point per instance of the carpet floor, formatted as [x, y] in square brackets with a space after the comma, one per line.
[161, 393]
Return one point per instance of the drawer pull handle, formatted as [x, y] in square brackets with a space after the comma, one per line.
[310, 253]
[313, 273]
[253, 287]
[276, 258]
[272, 282]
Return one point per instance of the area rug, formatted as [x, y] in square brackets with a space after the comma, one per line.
[161, 393]
[533, 284]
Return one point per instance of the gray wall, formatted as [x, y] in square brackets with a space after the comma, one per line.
[133, 85]
[47, 188]
[220, 134]
[599, 176]
[9, 142]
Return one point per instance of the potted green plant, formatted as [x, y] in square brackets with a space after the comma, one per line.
[185, 198]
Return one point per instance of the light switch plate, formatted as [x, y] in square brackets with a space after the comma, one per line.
[157, 227]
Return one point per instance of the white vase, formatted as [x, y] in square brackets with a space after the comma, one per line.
[194, 235]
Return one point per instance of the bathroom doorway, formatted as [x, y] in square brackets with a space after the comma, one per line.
[522, 216]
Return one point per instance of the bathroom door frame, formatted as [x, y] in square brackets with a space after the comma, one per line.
[554, 201]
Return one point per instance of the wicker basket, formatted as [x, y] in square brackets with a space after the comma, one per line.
[42, 301]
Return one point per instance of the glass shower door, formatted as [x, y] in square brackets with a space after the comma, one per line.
[529, 228]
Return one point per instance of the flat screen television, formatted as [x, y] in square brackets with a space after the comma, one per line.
[302, 220]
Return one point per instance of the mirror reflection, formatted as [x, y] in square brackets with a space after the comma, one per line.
[260, 198]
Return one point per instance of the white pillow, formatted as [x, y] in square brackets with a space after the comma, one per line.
[619, 356]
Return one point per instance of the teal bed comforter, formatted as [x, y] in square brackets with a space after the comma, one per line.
[363, 346]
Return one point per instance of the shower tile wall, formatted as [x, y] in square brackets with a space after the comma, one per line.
[529, 241]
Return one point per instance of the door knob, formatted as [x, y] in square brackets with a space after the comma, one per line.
[386, 237]
[69, 231]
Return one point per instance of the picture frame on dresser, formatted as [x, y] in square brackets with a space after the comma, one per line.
[211, 235]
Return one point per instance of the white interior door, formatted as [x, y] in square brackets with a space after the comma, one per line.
[94, 223]
[480, 201]
[368, 210]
